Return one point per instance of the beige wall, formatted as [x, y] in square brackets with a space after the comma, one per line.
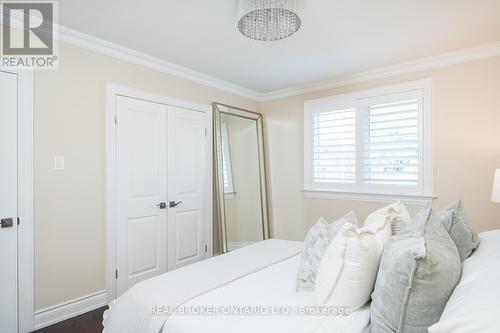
[69, 109]
[466, 148]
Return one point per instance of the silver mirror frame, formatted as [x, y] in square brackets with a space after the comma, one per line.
[218, 109]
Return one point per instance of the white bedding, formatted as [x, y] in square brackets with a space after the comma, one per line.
[132, 311]
[262, 274]
[474, 305]
[272, 286]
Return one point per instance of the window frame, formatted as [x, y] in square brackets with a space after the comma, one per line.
[361, 100]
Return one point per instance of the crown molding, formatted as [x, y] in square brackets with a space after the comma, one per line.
[105, 47]
[102, 46]
[441, 60]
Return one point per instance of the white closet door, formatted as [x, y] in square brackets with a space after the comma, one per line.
[141, 186]
[186, 186]
[8, 202]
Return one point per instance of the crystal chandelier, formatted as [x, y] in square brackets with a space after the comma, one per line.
[268, 20]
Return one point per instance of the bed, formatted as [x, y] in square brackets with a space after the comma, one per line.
[262, 277]
[247, 290]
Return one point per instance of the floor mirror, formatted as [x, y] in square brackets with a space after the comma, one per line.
[241, 195]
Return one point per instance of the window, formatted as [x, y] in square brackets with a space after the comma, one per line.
[374, 142]
[334, 156]
[227, 172]
[391, 143]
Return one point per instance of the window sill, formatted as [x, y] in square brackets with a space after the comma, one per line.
[409, 199]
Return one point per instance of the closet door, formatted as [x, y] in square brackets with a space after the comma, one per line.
[141, 187]
[8, 202]
[187, 139]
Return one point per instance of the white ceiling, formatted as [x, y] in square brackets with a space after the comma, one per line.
[337, 37]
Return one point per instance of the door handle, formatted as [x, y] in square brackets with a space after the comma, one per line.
[173, 204]
[7, 222]
[162, 205]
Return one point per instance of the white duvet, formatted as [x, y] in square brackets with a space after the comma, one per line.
[272, 287]
[262, 275]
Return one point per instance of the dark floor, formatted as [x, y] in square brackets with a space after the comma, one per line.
[89, 322]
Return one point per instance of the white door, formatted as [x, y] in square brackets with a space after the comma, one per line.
[8, 202]
[187, 163]
[141, 241]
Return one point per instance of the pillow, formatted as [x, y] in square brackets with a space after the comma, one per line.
[317, 241]
[474, 305]
[457, 224]
[348, 270]
[396, 213]
[419, 269]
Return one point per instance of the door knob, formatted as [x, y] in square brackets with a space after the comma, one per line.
[173, 204]
[7, 223]
[162, 205]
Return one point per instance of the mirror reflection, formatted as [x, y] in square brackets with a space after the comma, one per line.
[242, 207]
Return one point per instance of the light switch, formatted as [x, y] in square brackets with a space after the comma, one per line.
[58, 162]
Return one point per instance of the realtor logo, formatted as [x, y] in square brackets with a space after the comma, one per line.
[29, 34]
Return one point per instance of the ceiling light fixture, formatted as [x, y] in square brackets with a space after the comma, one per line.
[268, 20]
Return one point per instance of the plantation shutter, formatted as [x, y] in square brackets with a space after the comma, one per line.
[391, 143]
[375, 143]
[227, 174]
[334, 147]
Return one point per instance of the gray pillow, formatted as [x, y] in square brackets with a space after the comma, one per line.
[317, 241]
[419, 269]
[456, 222]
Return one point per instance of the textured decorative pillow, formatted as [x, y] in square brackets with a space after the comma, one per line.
[419, 269]
[456, 222]
[348, 270]
[317, 241]
[396, 213]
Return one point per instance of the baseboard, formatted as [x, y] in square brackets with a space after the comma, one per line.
[54, 314]
[236, 245]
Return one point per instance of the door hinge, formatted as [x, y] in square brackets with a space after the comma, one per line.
[18, 221]
[206, 248]
[116, 119]
[116, 274]
[206, 131]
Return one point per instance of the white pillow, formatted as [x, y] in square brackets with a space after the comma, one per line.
[396, 213]
[317, 241]
[348, 270]
[474, 305]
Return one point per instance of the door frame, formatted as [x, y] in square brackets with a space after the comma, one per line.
[25, 266]
[112, 91]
